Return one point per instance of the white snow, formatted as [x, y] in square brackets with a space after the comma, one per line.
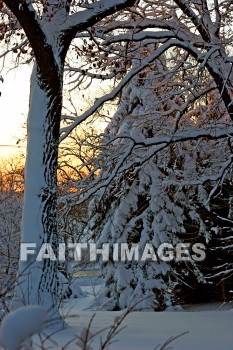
[21, 324]
[208, 330]
[209, 327]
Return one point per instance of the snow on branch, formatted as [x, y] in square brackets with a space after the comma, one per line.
[198, 22]
[211, 132]
[110, 96]
[176, 33]
[161, 142]
[142, 24]
[95, 12]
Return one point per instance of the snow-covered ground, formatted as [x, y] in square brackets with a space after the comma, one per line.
[208, 330]
[209, 327]
[196, 327]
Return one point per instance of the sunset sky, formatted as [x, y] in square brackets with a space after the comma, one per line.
[13, 109]
[14, 103]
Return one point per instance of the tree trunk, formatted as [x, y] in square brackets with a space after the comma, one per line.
[37, 281]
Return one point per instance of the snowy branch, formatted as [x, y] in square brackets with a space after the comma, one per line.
[211, 132]
[175, 33]
[143, 64]
[82, 20]
[184, 6]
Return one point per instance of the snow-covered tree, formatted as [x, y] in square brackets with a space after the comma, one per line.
[198, 29]
[158, 191]
[46, 29]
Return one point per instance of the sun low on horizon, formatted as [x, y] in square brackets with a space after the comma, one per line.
[14, 102]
